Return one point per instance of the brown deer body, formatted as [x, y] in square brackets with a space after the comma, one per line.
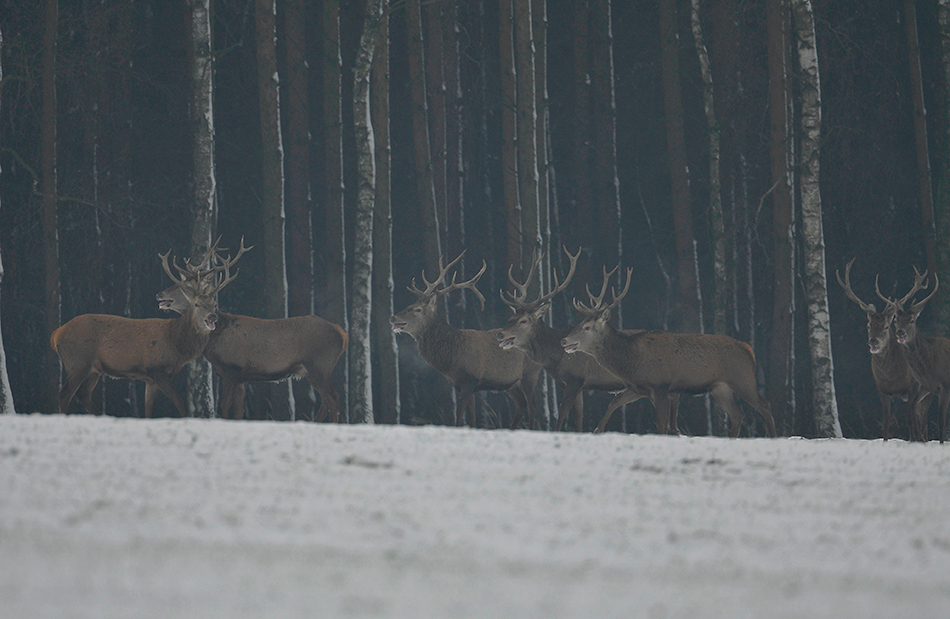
[245, 349]
[152, 350]
[665, 363]
[889, 367]
[928, 357]
[470, 360]
[526, 331]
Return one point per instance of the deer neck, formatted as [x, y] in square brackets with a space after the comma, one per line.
[545, 347]
[186, 336]
[617, 350]
[438, 343]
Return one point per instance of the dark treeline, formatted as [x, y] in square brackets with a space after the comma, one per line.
[612, 155]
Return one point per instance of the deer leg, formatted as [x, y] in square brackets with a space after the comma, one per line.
[466, 395]
[725, 398]
[624, 397]
[228, 387]
[760, 404]
[674, 413]
[518, 398]
[661, 402]
[69, 388]
[151, 392]
[886, 414]
[329, 400]
[237, 401]
[919, 415]
[164, 383]
[572, 391]
[942, 420]
[85, 393]
[579, 411]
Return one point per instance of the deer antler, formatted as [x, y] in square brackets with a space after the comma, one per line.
[918, 306]
[168, 271]
[846, 284]
[516, 300]
[597, 301]
[432, 288]
[920, 283]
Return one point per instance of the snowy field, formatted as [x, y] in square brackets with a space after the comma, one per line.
[105, 517]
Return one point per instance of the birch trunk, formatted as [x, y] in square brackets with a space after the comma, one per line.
[198, 377]
[272, 161]
[49, 202]
[386, 369]
[361, 367]
[606, 182]
[335, 240]
[816, 292]
[6, 396]
[781, 349]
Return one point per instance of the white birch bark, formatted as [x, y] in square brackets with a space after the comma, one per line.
[361, 386]
[816, 292]
[200, 387]
[6, 396]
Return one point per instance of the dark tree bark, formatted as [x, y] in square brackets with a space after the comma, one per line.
[49, 201]
[425, 187]
[583, 235]
[920, 136]
[334, 241]
[941, 303]
[272, 161]
[526, 124]
[386, 369]
[6, 395]
[607, 191]
[454, 239]
[433, 21]
[509, 127]
[689, 314]
[781, 349]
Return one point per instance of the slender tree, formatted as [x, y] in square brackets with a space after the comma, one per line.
[689, 314]
[607, 185]
[816, 292]
[361, 373]
[526, 124]
[334, 245]
[49, 201]
[433, 14]
[920, 135]
[582, 173]
[425, 185]
[941, 304]
[385, 348]
[272, 161]
[200, 391]
[781, 350]
[6, 395]
[509, 127]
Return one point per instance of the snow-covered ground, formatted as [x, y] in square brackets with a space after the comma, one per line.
[104, 517]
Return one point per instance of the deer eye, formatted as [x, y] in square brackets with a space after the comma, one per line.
[523, 321]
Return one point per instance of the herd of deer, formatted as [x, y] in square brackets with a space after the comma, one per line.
[633, 364]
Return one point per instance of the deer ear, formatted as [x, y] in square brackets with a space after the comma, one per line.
[542, 309]
[605, 315]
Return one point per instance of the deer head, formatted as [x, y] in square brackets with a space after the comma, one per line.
[905, 324]
[522, 326]
[879, 323]
[590, 333]
[195, 279]
[416, 318]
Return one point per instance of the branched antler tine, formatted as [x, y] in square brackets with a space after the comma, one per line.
[168, 271]
[214, 285]
[229, 261]
[598, 301]
[470, 284]
[443, 270]
[846, 284]
[626, 288]
[920, 283]
[559, 287]
[889, 302]
[919, 305]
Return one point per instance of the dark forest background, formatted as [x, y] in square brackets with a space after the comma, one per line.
[125, 175]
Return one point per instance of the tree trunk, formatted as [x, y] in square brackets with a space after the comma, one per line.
[200, 390]
[433, 18]
[781, 349]
[941, 302]
[816, 292]
[920, 136]
[361, 367]
[386, 370]
[272, 161]
[425, 187]
[49, 201]
[582, 198]
[454, 239]
[607, 185]
[715, 196]
[335, 240]
[6, 396]
[509, 127]
[689, 314]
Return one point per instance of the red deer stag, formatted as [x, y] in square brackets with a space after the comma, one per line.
[147, 349]
[470, 360]
[892, 375]
[664, 363]
[245, 349]
[928, 357]
[527, 332]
